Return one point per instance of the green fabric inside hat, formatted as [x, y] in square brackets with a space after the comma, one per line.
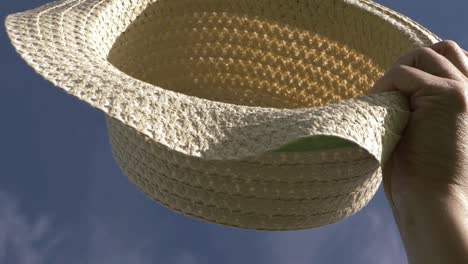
[315, 143]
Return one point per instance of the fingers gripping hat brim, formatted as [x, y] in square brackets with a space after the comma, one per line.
[252, 160]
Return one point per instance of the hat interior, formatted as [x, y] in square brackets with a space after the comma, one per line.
[280, 54]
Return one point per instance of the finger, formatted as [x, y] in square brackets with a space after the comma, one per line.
[453, 52]
[406, 79]
[428, 60]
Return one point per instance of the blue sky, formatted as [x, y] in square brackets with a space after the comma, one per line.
[64, 200]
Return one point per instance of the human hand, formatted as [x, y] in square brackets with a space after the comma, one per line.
[432, 157]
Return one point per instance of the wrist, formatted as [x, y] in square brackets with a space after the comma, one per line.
[433, 221]
[429, 206]
[446, 196]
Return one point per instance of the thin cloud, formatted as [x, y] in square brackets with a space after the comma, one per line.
[184, 257]
[107, 244]
[300, 247]
[383, 243]
[28, 240]
[23, 241]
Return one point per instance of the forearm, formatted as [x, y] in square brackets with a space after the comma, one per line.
[434, 228]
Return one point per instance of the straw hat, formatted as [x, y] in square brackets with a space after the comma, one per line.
[251, 114]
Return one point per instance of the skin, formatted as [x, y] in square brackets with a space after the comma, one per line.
[426, 178]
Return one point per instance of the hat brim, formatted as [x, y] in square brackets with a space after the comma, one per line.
[67, 42]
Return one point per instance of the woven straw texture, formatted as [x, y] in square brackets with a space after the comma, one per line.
[252, 114]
